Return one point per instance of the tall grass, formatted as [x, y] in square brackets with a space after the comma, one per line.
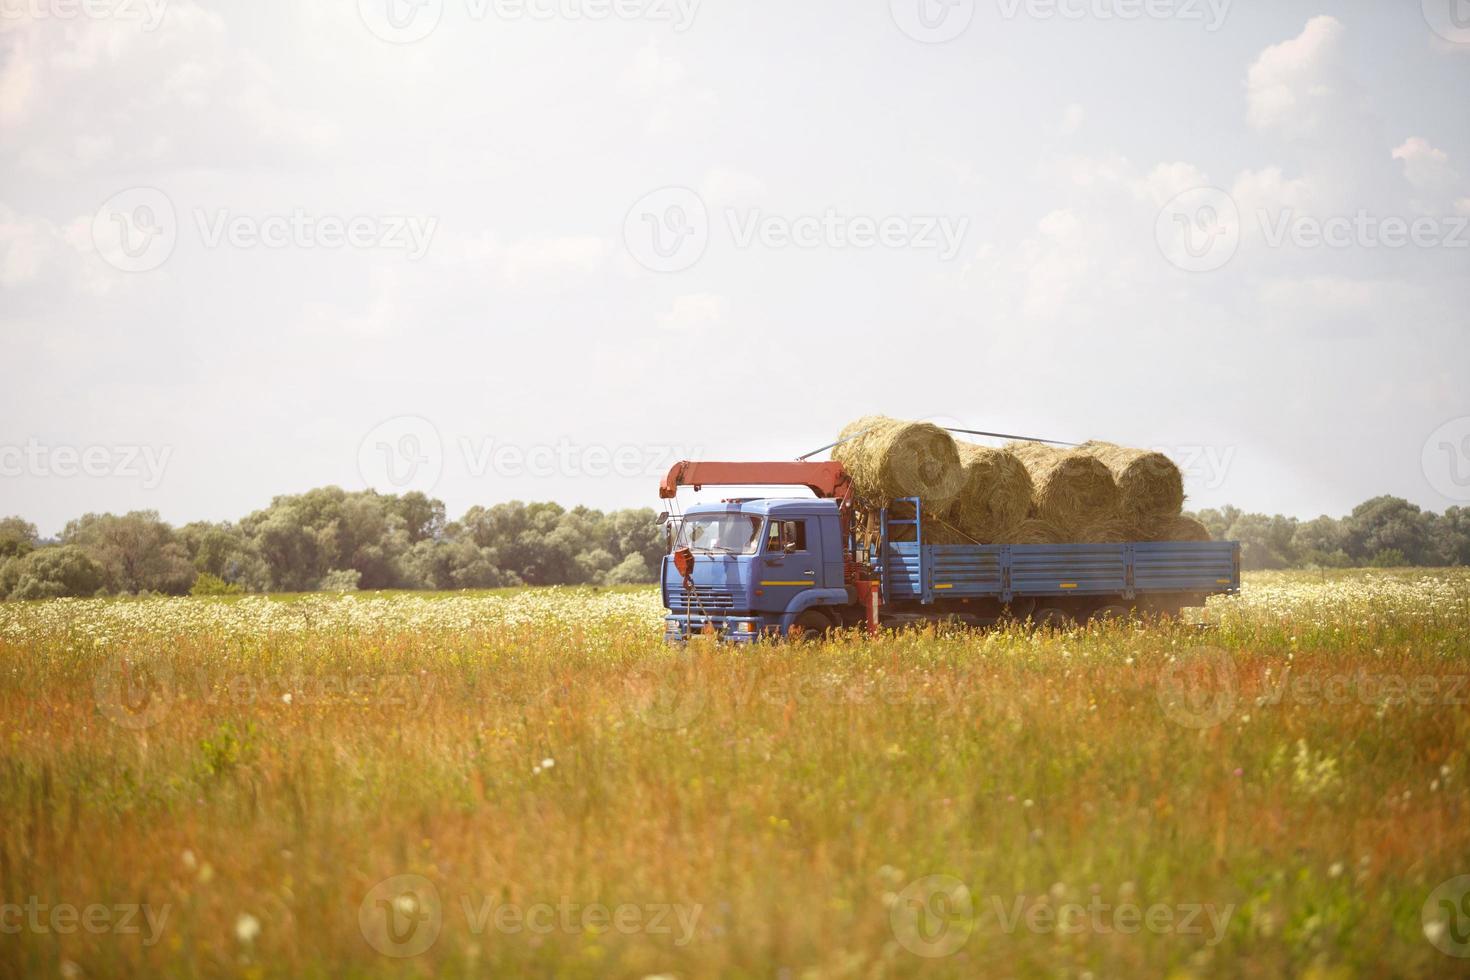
[1296, 769]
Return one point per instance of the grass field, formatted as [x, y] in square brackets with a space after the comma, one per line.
[531, 783]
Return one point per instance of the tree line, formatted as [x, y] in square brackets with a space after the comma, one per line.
[1384, 532]
[330, 539]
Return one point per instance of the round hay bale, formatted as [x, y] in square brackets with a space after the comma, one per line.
[1149, 483]
[887, 459]
[995, 494]
[1070, 488]
[1033, 530]
[1109, 530]
[1174, 527]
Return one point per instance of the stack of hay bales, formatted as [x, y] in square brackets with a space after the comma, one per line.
[1024, 493]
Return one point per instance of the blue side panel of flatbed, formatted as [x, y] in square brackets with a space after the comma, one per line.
[925, 573]
[1186, 566]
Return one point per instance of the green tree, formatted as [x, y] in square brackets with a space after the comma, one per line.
[138, 552]
[1388, 524]
[17, 537]
[50, 573]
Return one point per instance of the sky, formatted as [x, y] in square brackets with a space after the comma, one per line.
[541, 249]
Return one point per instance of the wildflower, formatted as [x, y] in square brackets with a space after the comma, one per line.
[247, 927]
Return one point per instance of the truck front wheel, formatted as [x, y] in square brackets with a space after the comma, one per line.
[811, 624]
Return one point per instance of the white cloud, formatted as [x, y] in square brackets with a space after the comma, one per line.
[1269, 189]
[1072, 119]
[1426, 167]
[732, 188]
[1296, 87]
[182, 92]
[28, 246]
[533, 262]
[658, 83]
[695, 311]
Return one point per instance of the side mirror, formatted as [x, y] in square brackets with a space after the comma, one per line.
[661, 519]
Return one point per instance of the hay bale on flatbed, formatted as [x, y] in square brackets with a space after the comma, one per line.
[1070, 488]
[1149, 484]
[1171, 527]
[888, 459]
[995, 495]
[1034, 530]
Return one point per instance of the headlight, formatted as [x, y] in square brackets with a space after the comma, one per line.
[745, 627]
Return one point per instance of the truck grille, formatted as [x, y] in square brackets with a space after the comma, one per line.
[701, 599]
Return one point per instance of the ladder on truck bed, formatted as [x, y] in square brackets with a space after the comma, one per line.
[884, 523]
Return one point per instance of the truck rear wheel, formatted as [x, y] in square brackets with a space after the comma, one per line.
[1113, 613]
[1053, 618]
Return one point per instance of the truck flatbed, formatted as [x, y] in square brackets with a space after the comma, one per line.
[925, 573]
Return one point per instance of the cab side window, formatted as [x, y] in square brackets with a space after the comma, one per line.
[786, 533]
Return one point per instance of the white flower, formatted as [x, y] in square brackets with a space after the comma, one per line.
[286, 698]
[247, 927]
[547, 763]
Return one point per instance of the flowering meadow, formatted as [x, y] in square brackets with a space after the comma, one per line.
[531, 783]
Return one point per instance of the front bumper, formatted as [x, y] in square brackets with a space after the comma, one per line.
[733, 629]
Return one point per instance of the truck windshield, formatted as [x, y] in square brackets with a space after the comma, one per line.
[731, 534]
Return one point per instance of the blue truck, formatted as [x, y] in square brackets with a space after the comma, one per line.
[751, 568]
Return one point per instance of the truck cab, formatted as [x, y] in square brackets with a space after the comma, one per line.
[758, 564]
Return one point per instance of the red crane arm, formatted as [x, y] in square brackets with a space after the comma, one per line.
[823, 479]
